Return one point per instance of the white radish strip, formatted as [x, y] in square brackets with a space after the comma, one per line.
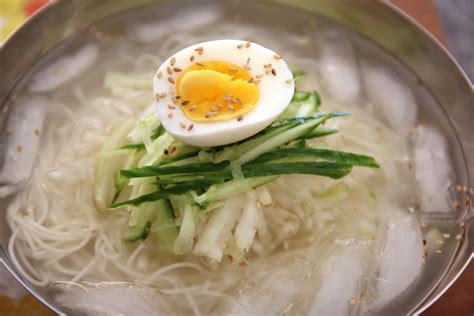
[219, 229]
[247, 226]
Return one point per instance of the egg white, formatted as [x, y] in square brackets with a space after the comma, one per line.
[275, 93]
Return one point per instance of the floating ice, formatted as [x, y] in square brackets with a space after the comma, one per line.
[181, 22]
[433, 170]
[112, 299]
[65, 69]
[392, 100]
[339, 68]
[342, 280]
[25, 125]
[275, 290]
[400, 256]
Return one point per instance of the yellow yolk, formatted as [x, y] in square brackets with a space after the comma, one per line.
[216, 91]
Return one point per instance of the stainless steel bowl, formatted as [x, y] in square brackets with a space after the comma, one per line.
[414, 47]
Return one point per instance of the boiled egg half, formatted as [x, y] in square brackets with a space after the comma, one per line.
[220, 92]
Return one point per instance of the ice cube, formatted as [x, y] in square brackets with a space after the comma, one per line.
[182, 21]
[114, 298]
[342, 280]
[391, 99]
[400, 257]
[339, 68]
[64, 69]
[275, 289]
[433, 170]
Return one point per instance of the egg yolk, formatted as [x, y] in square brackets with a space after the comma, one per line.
[215, 91]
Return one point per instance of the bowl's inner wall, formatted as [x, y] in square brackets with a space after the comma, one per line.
[442, 84]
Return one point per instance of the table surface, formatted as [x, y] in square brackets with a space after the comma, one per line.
[458, 300]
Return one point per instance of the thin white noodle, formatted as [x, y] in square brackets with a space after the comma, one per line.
[177, 265]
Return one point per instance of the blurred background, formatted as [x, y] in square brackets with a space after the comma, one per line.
[448, 20]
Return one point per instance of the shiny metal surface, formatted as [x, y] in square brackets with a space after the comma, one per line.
[376, 20]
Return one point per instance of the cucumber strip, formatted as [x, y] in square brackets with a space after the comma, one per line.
[185, 240]
[167, 169]
[232, 187]
[234, 152]
[320, 132]
[158, 195]
[165, 226]
[282, 139]
[309, 106]
[330, 155]
[300, 96]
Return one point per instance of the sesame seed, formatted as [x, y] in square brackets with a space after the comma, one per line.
[185, 102]
[471, 192]
[173, 149]
[259, 76]
[440, 242]
[37, 132]
[423, 225]
[267, 66]
[191, 58]
[231, 107]
[169, 70]
[233, 70]
[199, 64]
[247, 44]
[214, 108]
[8, 130]
[466, 202]
[267, 71]
[446, 236]
[170, 114]
[274, 72]
[250, 80]
[171, 80]
[456, 205]
[192, 108]
[183, 125]
[458, 188]
[209, 114]
[239, 101]
[458, 237]
[464, 188]
[159, 75]
[439, 251]
[288, 81]
[200, 50]
[240, 46]
[462, 224]
[177, 69]
[173, 61]
[277, 57]
[13, 159]
[352, 301]
[19, 149]
[178, 97]
[171, 107]
[240, 117]
[190, 127]
[163, 95]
